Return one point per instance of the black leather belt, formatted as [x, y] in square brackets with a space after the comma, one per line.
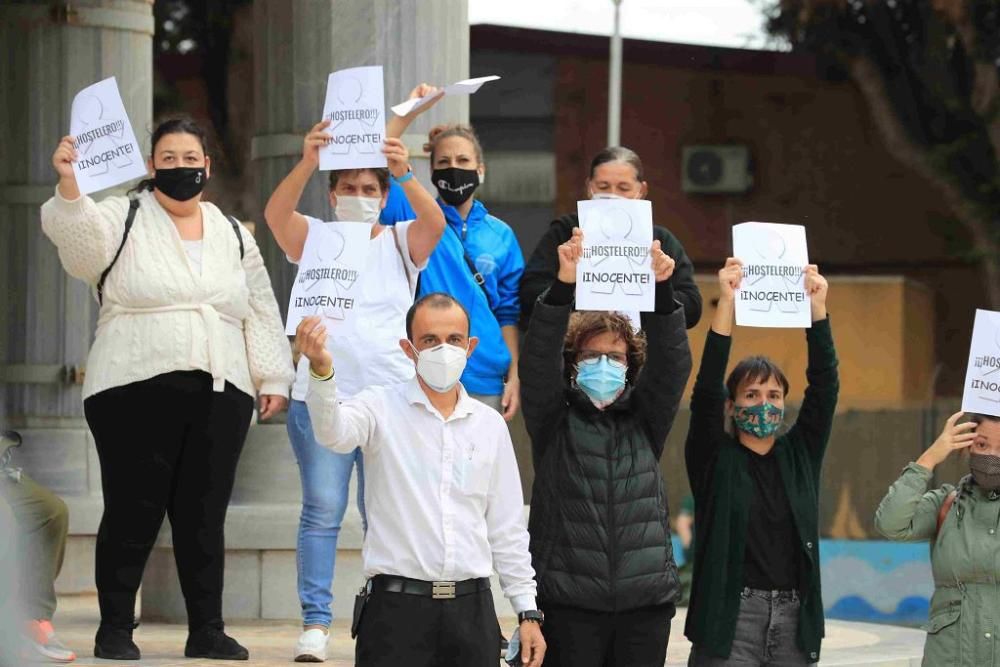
[438, 590]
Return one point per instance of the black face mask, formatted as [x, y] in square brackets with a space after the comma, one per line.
[180, 183]
[455, 185]
[985, 469]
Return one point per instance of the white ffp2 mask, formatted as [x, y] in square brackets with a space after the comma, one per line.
[358, 209]
[441, 366]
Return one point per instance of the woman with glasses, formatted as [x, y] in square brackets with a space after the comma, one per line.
[599, 399]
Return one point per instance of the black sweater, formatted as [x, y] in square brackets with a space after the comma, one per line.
[718, 469]
[540, 271]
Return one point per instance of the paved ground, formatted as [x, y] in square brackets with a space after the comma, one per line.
[271, 642]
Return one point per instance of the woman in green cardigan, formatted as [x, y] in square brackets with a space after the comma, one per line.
[962, 522]
[755, 595]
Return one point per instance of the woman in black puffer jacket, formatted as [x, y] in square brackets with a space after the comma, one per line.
[599, 400]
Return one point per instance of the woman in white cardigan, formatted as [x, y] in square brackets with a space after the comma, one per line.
[189, 333]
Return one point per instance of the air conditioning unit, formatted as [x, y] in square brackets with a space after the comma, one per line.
[716, 169]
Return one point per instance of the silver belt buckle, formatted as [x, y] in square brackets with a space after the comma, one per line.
[443, 590]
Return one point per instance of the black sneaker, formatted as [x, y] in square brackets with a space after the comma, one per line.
[212, 643]
[114, 642]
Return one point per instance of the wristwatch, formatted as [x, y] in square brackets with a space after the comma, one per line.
[533, 615]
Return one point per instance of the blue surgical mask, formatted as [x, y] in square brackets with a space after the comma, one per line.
[602, 380]
[761, 421]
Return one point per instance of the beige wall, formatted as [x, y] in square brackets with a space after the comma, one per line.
[883, 329]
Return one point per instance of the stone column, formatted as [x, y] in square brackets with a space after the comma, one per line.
[51, 51]
[296, 45]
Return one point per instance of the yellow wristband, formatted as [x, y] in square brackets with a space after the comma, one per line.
[322, 378]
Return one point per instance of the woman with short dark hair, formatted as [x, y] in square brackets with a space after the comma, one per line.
[599, 401]
[755, 594]
[961, 521]
[189, 334]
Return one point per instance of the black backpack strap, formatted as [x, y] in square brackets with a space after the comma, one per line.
[133, 206]
[236, 229]
[477, 277]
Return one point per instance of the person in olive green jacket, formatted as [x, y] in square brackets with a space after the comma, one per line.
[962, 522]
[755, 593]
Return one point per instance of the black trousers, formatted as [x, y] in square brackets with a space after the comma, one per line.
[582, 638]
[166, 445]
[401, 629]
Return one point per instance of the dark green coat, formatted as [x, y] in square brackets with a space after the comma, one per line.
[599, 525]
[717, 466]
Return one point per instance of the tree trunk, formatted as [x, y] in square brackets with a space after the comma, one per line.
[979, 226]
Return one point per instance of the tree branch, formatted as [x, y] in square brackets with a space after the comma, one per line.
[869, 81]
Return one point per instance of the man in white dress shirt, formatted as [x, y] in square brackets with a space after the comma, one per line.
[443, 498]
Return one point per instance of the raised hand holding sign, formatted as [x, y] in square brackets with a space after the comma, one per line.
[982, 376]
[107, 152]
[355, 107]
[615, 269]
[772, 292]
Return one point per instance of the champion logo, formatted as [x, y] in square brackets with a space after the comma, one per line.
[444, 185]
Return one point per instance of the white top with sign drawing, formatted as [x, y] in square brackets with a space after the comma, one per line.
[355, 107]
[982, 379]
[616, 269]
[107, 151]
[329, 279]
[774, 258]
[464, 87]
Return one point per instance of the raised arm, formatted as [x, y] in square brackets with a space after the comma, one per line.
[909, 511]
[423, 235]
[397, 125]
[290, 227]
[543, 393]
[425, 232]
[668, 357]
[337, 426]
[708, 400]
[86, 233]
[819, 404]
[685, 289]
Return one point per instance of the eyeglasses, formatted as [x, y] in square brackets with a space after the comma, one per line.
[591, 356]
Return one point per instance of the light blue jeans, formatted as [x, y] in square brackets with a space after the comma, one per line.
[325, 478]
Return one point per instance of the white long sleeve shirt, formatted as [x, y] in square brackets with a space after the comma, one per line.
[160, 314]
[443, 496]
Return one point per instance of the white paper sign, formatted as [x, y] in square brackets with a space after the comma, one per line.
[107, 151]
[982, 379]
[464, 87]
[329, 281]
[355, 107]
[774, 258]
[616, 270]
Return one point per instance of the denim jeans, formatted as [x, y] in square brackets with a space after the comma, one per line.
[325, 477]
[766, 627]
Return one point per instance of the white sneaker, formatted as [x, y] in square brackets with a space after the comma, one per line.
[311, 646]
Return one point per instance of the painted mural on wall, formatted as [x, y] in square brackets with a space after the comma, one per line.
[872, 581]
